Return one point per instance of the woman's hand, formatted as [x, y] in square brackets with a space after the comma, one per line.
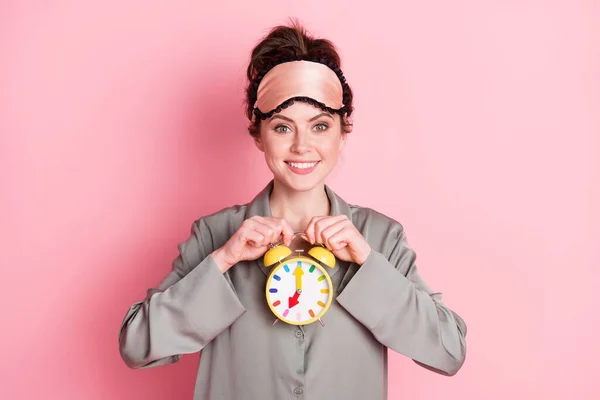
[340, 236]
[252, 240]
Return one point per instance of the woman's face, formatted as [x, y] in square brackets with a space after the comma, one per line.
[301, 145]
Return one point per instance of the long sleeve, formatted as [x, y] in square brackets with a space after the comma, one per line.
[190, 307]
[389, 297]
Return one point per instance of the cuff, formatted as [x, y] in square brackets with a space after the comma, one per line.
[207, 300]
[373, 290]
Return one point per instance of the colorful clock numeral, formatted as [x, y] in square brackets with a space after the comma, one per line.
[276, 303]
[324, 290]
[311, 269]
[298, 316]
[321, 278]
[273, 290]
[287, 269]
[311, 313]
[276, 277]
[321, 303]
[286, 312]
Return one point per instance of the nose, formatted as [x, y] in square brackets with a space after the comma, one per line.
[301, 142]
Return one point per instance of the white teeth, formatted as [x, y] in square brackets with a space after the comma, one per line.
[303, 165]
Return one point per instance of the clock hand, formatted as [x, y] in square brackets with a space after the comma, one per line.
[298, 272]
[294, 299]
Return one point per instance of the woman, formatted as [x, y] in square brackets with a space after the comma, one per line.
[214, 298]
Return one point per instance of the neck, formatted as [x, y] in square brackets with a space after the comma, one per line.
[298, 208]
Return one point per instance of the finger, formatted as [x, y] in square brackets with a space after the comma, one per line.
[310, 228]
[331, 230]
[251, 236]
[286, 231]
[275, 228]
[325, 223]
[281, 227]
[341, 239]
[270, 234]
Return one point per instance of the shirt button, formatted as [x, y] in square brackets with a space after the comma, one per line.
[298, 333]
[298, 391]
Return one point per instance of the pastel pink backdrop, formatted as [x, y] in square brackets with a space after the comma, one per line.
[476, 126]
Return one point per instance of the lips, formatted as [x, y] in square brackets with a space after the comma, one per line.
[302, 164]
[302, 167]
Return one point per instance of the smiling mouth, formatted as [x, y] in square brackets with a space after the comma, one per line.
[302, 165]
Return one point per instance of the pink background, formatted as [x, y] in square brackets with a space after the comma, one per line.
[477, 126]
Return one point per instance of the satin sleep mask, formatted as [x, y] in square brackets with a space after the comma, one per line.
[300, 80]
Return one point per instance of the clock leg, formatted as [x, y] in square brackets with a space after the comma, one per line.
[274, 322]
[322, 324]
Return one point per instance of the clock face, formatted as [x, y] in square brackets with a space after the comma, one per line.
[299, 291]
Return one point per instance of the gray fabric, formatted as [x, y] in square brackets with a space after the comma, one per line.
[382, 304]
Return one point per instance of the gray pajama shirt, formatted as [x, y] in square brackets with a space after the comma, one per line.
[382, 304]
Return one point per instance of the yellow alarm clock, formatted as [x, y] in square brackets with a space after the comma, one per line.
[299, 289]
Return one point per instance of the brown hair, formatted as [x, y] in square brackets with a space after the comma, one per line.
[284, 42]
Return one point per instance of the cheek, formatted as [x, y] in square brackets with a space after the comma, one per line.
[275, 148]
[331, 148]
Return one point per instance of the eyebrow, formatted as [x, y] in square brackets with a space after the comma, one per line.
[323, 114]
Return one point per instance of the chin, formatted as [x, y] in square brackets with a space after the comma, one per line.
[301, 183]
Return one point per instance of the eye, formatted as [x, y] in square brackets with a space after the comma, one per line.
[282, 129]
[321, 127]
